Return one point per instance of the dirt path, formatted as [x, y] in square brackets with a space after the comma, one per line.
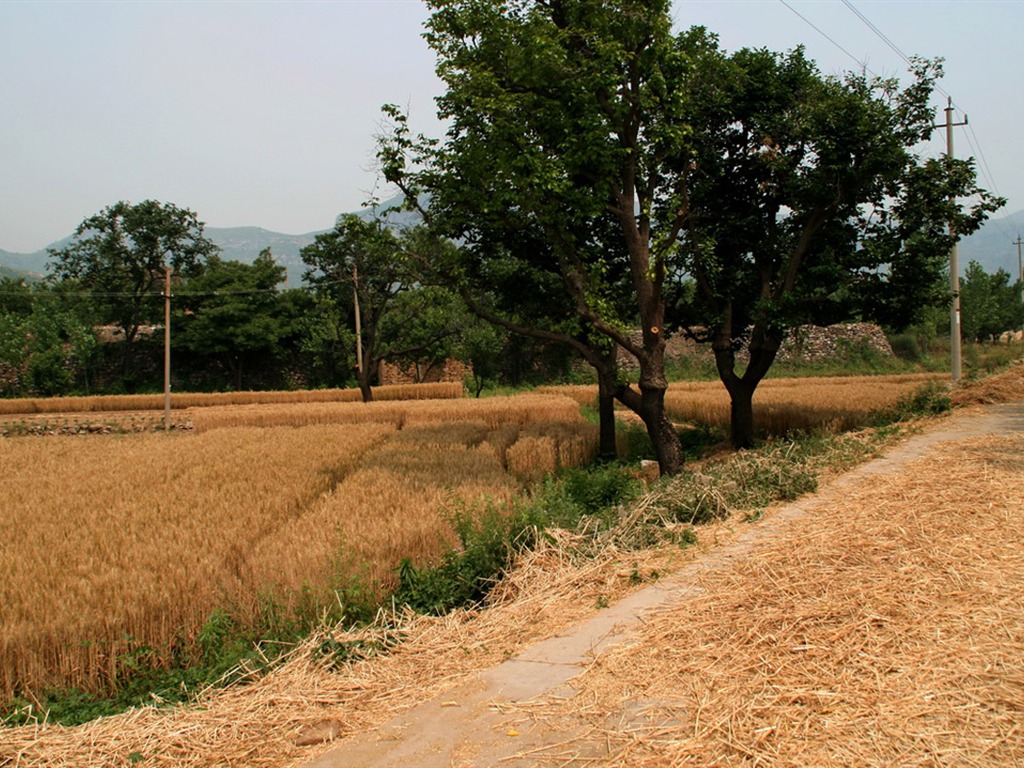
[880, 622]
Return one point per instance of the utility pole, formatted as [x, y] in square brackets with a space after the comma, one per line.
[359, 331]
[167, 349]
[954, 264]
[1020, 269]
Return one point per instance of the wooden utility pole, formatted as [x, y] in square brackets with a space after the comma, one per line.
[954, 265]
[167, 349]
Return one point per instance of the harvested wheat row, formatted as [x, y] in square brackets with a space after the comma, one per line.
[111, 403]
[492, 412]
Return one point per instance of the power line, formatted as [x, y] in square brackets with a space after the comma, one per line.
[885, 39]
[821, 32]
[972, 138]
[878, 32]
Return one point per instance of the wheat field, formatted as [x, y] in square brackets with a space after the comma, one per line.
[114, 543]
[783, 405]
[179, 400]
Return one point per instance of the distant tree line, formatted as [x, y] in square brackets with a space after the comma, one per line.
[96, 324]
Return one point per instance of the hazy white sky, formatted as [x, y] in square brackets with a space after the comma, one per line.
[263, 113]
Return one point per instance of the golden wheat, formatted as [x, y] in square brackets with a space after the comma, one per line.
[179, 400]
[782, 405]
[110, 544]
[492, 412]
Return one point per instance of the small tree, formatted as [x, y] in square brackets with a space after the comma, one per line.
[232, 312]
[989, 304]
[365, 270]
[120, 255]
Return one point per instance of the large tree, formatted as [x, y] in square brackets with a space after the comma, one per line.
[803, 200]
[120, 255]
[561, 123]
[784, 194]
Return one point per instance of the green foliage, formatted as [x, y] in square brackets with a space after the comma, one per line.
[490, 536]
[400, 318]
[120, 254]
[989, 304]
[234, 314]
[46, 344]
[625, 173]
[929, 400]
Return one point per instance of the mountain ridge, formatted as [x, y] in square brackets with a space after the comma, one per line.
[991, 246]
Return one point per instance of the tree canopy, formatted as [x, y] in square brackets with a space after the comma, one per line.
[642, 158]
[120, 255]
[362, 270]
[233, 313]
[990, 304]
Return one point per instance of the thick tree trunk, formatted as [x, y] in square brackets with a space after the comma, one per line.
[763, 348]
[667, 448]
[649, 405]
[741, 411]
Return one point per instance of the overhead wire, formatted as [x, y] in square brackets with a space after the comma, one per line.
[972, 137]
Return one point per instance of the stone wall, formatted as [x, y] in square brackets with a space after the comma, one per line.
[808, 343]
[814, 343]
[424, 373]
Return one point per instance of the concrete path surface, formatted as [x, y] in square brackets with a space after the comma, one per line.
[466, 727]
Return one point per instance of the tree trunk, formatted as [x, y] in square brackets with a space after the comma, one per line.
[763, 348]
[649, 405]
[741, 411]
[667, 448]
[364, 387]
[607, 449]
[365, 377]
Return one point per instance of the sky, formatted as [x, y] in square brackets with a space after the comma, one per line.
[264, 113]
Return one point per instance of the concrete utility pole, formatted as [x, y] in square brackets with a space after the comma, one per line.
[954, 264]
[1020, 269]
[167, 349]
[359, 330]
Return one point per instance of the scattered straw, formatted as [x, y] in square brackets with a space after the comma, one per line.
[885, 630]
[1006, 386]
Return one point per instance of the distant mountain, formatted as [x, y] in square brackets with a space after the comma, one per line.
[991, 246]
[25, 263]
[236, 243]
[17, 274]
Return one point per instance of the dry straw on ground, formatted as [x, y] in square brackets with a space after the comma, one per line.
[1005, 386]
[886, 630]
